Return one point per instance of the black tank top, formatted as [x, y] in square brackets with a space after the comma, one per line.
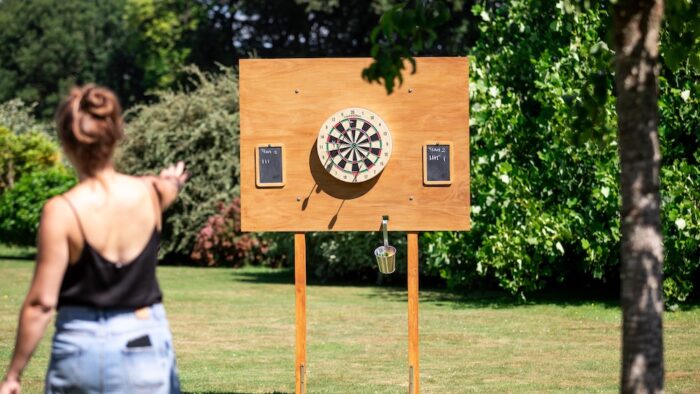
[94, 281]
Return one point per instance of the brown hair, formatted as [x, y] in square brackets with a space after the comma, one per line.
[89, 124]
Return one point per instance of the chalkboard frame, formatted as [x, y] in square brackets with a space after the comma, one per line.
[426, 182]
[258, 183]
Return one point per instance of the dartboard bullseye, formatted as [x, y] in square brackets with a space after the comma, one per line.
[354, 145]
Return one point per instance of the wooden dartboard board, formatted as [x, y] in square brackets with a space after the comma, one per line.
[317, 109]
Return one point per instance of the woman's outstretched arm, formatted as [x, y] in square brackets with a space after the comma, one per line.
[42, 298]
[169, 183]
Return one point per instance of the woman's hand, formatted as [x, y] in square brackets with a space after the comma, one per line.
[175, 173]
[10, 386]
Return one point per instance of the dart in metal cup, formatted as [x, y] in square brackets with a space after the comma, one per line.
[386, 255]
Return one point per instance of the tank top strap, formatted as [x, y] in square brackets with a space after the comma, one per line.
[77, 217]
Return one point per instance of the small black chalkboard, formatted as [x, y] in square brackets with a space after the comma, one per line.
[437, 163]
[269, 162]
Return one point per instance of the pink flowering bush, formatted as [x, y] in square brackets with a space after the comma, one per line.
[220, 241]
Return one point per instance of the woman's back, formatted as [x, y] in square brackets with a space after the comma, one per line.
[116, 217]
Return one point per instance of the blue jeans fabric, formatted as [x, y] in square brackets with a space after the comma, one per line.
[112, 351]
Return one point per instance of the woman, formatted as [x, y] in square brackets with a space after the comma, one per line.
[96, 262]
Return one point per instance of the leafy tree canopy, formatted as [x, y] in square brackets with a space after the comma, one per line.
[49, 45]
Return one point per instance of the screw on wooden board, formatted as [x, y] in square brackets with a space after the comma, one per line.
[298, 198]
[296, 91]
[410, 198]
[410, 90]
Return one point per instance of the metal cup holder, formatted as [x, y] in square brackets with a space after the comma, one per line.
[386, 255]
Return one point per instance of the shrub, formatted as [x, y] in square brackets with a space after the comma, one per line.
[20, 207]
[18, 117]
[199, 126]
[544, 200]
[681, 228]
[679, 134]
[340, 256]
[24, 153]
[331, 256]
[220, 241]
[350, 255]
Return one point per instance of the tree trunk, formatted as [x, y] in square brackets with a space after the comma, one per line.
[637, 24]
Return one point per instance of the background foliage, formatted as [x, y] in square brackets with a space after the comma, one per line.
[31, 172]
[220, 241]
[157, 35]
[679, 130]
[544, 199]
[49, 45]
[17, 116]
[20, 207]
[24, 153]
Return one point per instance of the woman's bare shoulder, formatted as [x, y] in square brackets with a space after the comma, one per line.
[56, 209]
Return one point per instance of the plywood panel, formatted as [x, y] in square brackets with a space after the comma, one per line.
[287, 100]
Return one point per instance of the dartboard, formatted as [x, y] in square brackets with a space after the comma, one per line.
[354, 145]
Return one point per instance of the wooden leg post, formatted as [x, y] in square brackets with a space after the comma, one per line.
[413, 339]
[300, 287]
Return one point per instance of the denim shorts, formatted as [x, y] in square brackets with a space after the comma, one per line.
[112, 351]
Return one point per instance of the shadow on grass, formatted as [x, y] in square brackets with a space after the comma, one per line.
[498, 299]
[435, 295]
[29, 258]
[265, 276]
[286, 276]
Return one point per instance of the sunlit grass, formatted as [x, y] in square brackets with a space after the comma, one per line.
[234, 333]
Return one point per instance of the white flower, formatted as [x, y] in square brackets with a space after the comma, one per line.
[680, 223]
[685, 95]
[560, 247]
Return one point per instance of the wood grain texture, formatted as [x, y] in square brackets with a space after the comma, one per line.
[413, 337]
[300, 289]
[287, 100]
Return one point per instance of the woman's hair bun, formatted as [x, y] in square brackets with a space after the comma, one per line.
[89, 124]
[98, 101]
[96, 114]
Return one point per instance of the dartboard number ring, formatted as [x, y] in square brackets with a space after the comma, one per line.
[354, 145]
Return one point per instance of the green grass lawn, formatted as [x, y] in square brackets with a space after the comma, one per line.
[234, 333]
